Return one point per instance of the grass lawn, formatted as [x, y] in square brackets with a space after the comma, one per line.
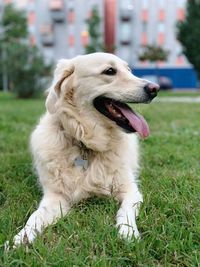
[170, 181]
[179, 93]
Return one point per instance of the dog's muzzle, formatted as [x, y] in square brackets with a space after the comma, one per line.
[151, 89]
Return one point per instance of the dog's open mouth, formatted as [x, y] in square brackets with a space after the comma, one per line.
[122, 115]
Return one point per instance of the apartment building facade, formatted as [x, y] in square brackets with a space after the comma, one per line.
[59, 28]
[142, 22]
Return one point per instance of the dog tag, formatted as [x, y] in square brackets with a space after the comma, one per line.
[80, 162]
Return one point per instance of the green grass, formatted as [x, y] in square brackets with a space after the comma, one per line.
[190, 93]
[170, 181]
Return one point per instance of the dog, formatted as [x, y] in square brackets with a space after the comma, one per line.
[86, 144]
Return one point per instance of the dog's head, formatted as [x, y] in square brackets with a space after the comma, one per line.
[98, 86]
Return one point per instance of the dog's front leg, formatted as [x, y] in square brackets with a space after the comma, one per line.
[130, 199]
[51, 208]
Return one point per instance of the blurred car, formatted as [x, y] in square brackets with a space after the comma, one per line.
[164, 82]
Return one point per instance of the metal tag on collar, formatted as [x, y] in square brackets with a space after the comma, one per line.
[80, 162]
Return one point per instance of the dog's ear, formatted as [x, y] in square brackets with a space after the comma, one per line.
[63, 70]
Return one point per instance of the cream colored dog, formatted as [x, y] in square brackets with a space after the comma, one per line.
[86, 143]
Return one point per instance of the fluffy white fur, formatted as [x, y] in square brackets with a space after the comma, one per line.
[72, 127]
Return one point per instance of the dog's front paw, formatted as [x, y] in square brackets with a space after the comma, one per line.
[126, 222]
[127, 231]
[24, 237]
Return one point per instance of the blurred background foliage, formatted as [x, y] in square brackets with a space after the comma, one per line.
[189, 32]
[23, 69]
[24, 72]
[93, 23]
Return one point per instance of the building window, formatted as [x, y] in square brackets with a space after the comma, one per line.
[181, 3]
[161, 38]
[144, 39]
[162, 3]
[71, 40]
[21, 4]
[144, 26]
[161, 15]
[161, 27]
[126, 10]
[84, 38]
[125, 33]
[145, 4]
[126, 3]
[56, 5]
[31, 18]
[71, 4]
[161, 33]
[7, 1]
[144, 15]
[71, 16]
[47, 37]
[180, 14]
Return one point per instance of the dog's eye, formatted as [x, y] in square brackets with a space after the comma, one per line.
[110, 71]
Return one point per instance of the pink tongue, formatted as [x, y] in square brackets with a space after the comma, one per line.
[136, 121]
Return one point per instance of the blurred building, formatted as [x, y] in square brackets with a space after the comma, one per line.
[59, 28]
[142, 22]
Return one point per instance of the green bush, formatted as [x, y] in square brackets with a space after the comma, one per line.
[26, 71]
[21, 64]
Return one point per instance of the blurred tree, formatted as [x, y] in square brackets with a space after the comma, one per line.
[22, 66]
[94, 32]
[189, 32]
[153, 53]
[14, 24]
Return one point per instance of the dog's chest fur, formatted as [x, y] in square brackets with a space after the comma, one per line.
[68, 167]
[92, 173]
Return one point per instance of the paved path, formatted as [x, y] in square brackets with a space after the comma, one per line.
[178, 99]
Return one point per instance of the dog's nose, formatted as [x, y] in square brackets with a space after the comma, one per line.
[151, 89]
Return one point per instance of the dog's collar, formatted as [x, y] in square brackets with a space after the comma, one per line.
[82, 160]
